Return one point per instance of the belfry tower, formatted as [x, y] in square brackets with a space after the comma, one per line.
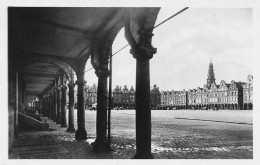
[211, 75]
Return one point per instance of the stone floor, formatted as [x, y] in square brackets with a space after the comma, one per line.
[171, 139]
[54, 144]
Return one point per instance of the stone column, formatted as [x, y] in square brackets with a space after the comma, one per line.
[143, 111]
[33, 106]
[63, 107]
[50, 105]
[71, 107]
[39, 105]
[43, 105]
[55, 105]
[81, 133]
[58, 120]
[47, 104]
[101, 51]
[101, 142]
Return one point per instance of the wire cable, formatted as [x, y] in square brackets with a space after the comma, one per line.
[171, 17]
[153, 28]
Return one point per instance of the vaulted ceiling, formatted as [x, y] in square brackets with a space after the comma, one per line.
[60, 33]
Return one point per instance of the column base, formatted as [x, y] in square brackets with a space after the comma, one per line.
[64, 125]
[81, 135]
[143, 156]
[58, 120]
[71, 129]
[100, 146]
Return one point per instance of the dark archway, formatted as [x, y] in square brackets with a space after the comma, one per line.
[250, 106]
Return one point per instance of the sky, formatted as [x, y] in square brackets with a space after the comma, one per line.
[185, 44]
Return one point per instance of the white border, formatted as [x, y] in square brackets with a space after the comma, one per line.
[127, 3]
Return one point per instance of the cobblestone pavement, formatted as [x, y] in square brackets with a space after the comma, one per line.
[171, 139]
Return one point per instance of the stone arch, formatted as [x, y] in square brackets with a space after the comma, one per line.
[66, 68]
[104, 41]
[250, 106]
[245, 106]
[236, 107]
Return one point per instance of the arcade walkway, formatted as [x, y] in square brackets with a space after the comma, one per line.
[54, 144]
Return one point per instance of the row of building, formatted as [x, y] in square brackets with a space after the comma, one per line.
[233, 95]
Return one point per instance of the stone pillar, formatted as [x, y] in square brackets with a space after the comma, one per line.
[55, 105]
[101, 51]
[43, 105]
[81, 133]
[50, 105]
[101, 143]
[138, 32]
[143, 111]
[39, 105]
[63, 106]
[58, 120]
[46, 105]
[33, 108]
[71, 107]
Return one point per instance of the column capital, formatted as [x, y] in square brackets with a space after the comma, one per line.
[143, 52]
[103, 73]
[55, 89]
[143, 49]
[51, 92]
[71, 84]
[64, 88]
[81, 82]
[58, 88]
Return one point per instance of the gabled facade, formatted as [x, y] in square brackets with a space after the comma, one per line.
[90, 95]
[155, 97]
[222, 96]
[132, 98]
[117, 97]
[248, 93]
[125, 97]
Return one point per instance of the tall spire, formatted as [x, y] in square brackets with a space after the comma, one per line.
[211, 75]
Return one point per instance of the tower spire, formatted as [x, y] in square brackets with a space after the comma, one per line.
[211, 75]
